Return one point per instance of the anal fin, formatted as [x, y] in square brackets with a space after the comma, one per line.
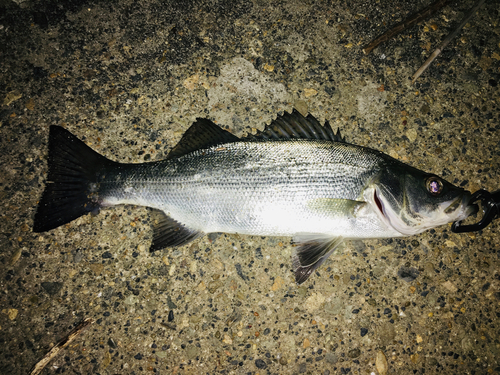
[310, 254]
[169, 233]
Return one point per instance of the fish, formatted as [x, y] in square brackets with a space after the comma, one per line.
[295, 178]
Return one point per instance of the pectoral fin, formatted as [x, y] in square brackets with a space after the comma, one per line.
[168, 233]
[310, 254]
[333, 207]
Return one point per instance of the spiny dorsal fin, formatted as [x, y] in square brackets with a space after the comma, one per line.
[295, 126]
[202, 134]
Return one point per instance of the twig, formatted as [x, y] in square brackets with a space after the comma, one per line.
[448, 39]
[37, 369]
[407, 23]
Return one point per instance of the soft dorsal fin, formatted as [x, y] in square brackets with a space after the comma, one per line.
[295, 126]
[202, 134]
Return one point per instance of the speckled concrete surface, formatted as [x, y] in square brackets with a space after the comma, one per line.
[129, 77]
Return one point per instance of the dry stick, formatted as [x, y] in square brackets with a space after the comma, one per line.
[407, 23]
[37, 369]
[448, 39]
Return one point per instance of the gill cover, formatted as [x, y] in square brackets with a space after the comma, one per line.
[412, 201]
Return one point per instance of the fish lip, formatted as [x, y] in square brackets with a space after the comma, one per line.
[470, 209]
[464, 204]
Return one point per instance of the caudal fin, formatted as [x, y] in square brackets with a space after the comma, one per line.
[71, 189]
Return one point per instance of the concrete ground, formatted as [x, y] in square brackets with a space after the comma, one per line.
[129, 77]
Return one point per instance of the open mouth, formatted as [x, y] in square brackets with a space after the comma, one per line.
[462, 203]
[471, 209]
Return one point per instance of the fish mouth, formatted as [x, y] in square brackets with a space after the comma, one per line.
[455, 210]
[463, 204]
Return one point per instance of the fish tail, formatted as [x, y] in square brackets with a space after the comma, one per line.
[72, 184]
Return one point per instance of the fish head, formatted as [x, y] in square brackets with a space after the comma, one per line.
[412, 201]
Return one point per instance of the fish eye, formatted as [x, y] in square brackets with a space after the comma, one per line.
[434, 186]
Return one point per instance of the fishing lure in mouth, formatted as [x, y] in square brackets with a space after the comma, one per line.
[491, 207]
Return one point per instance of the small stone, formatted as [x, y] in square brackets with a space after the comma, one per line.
[310, 92]
[364, 331]
[171, 271]
[52, 288]
[283, 361]
[131, 300]
[12, 313]
[314, 302]
[278, 283]
[193, 267]
[450, 243]
[31, 104]
[386, 333]
[77, 255]
[381, 363]
[191, 82]
[429, 268]
[97, 268]
[432, 361]
[107, 255]
[214, 285]
[412, 135]
[192, 351]
[354, 353]
[201, 286]
[112, 343]
[15, 256]
[408, 274]
[12, 97]
[306, 343]
[425, 109]
[268, 67]
[331, 358]
[449, 285]
[260, 363]
[165, 260]
[302, 368]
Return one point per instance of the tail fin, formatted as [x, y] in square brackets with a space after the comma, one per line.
[72, 181]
